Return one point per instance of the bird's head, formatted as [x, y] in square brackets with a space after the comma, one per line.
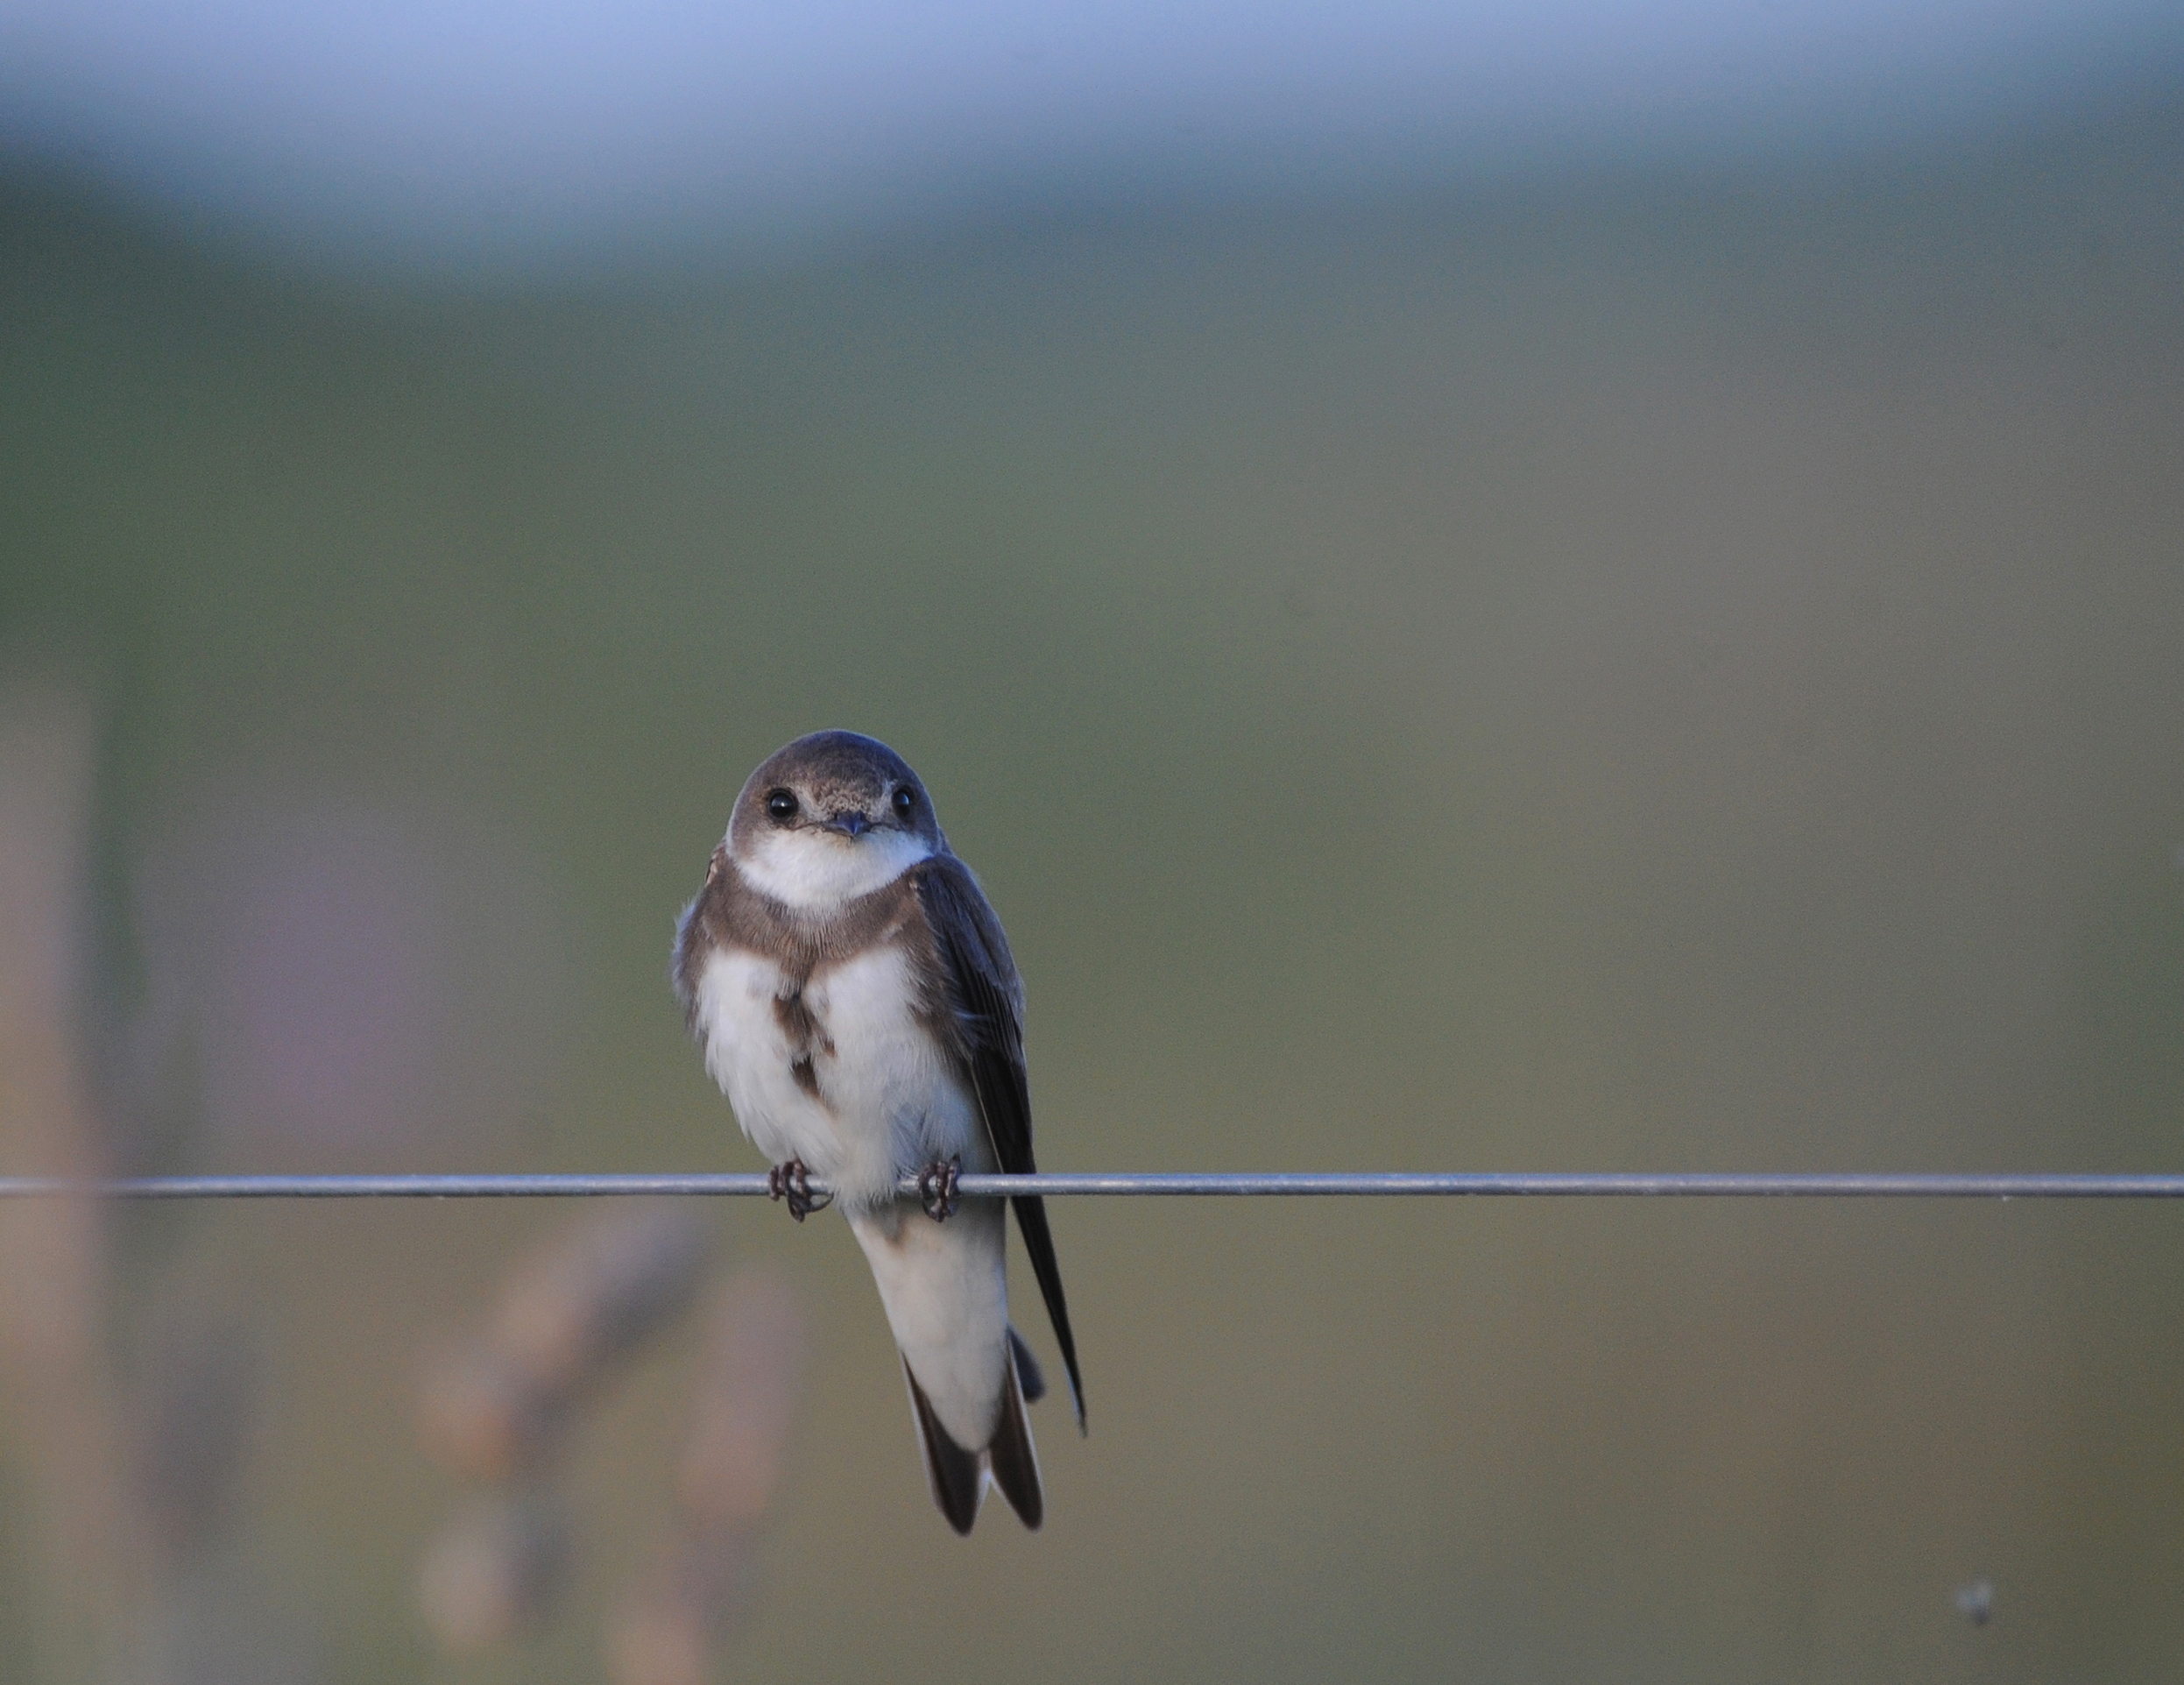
[830, 817]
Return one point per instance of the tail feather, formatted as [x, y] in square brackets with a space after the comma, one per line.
[1027, 1371]
[1012, 1458]
[957, 1479]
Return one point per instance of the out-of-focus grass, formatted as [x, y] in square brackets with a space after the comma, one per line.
[1636, 673]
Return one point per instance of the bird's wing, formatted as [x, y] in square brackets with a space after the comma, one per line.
[985, 1027]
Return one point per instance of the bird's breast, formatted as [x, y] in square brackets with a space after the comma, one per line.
[836, 1067]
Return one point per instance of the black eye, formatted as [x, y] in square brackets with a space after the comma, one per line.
[905, 799]
[781, 804]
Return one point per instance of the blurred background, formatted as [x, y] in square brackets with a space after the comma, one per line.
[1576, 588]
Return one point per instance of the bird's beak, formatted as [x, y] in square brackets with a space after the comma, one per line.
[852, 825]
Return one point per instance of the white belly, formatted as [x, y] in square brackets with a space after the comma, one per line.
[887, 1103]
[945, 1286]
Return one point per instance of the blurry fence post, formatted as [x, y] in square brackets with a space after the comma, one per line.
[59, 1425]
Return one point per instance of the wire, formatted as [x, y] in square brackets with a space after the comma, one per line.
[1219, 1184]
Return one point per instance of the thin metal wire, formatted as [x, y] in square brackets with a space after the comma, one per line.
[1824, 1185]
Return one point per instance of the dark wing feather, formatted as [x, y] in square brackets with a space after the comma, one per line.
[988, 1033]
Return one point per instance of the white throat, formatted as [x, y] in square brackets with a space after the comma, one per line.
[819, 871]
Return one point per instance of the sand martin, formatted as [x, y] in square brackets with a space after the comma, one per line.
[856, 1003]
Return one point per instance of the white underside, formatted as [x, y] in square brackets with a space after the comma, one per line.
[888, 1104]
[946, 1292]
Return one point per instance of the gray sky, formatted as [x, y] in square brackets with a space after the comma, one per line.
[471, 126]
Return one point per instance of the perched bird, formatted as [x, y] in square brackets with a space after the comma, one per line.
[856, 1003]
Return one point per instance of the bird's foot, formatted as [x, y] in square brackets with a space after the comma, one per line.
[937, 1186]
[792, 1182]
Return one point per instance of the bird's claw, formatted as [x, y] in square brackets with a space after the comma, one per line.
[792, 1182]
[937, 1186]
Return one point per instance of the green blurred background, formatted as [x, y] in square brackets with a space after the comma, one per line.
[1624, 669]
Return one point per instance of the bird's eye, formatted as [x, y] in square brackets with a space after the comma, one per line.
[781, 806]
[905, 799]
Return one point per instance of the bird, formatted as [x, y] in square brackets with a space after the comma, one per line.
[853, 994]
